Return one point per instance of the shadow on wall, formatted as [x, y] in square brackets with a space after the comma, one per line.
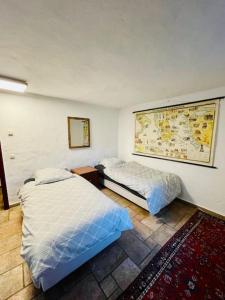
[185, 194]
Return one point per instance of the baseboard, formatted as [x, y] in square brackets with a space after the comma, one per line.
[212, 213]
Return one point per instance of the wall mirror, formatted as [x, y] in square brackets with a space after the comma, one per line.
[78, 132]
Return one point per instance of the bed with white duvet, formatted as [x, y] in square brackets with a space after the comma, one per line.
[157, 188]
[66, 223]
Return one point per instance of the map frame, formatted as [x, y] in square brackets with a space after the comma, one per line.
[195, 105]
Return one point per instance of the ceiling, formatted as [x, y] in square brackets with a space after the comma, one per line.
[113, 52]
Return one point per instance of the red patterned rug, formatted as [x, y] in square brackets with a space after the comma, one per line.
[190, 266]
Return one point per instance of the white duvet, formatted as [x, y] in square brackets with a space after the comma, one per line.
[159, 188]
[64, 219]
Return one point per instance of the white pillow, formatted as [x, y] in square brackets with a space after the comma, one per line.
[49, 175]
[110, 162]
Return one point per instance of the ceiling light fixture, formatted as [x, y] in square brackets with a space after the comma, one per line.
[13, 85]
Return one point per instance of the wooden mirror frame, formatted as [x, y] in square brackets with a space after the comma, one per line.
[69, 132]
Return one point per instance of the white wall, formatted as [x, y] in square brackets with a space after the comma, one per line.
[39, 126]
[202, 186]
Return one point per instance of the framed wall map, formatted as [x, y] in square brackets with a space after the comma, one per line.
[184, 133]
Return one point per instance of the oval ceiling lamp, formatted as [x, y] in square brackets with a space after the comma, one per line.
[13, 85]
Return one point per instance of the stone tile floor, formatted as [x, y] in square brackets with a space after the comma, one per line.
[106, 275]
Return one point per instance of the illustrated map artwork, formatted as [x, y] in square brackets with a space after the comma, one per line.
[183, 132]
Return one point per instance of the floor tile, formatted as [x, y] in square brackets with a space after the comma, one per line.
[152, 222]
[115, 295]
[76, 276]
[136, 208]
[141, 231]
[163, 234]
[126, 273]
[123, 202]
[11, 282]
[171, 218]
[67, 284]
[10, 260]
[27, 293]
[15, 213]
[173, 214]
[87, 289]
[26, 275]
[40, 297]
[109, 285]
[184, 207]
[142, 215]
[114, 197]
[10, 243]
[106, 261]
[9, 228]
[147, 260]
[151, 243]
[133, 246]
[183, 220]
[131, 212]
[4, 216]
[55, 292]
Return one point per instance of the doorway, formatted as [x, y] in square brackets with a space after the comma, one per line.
[4, 201]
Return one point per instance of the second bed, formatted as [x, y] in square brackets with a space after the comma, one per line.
[149, 188]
